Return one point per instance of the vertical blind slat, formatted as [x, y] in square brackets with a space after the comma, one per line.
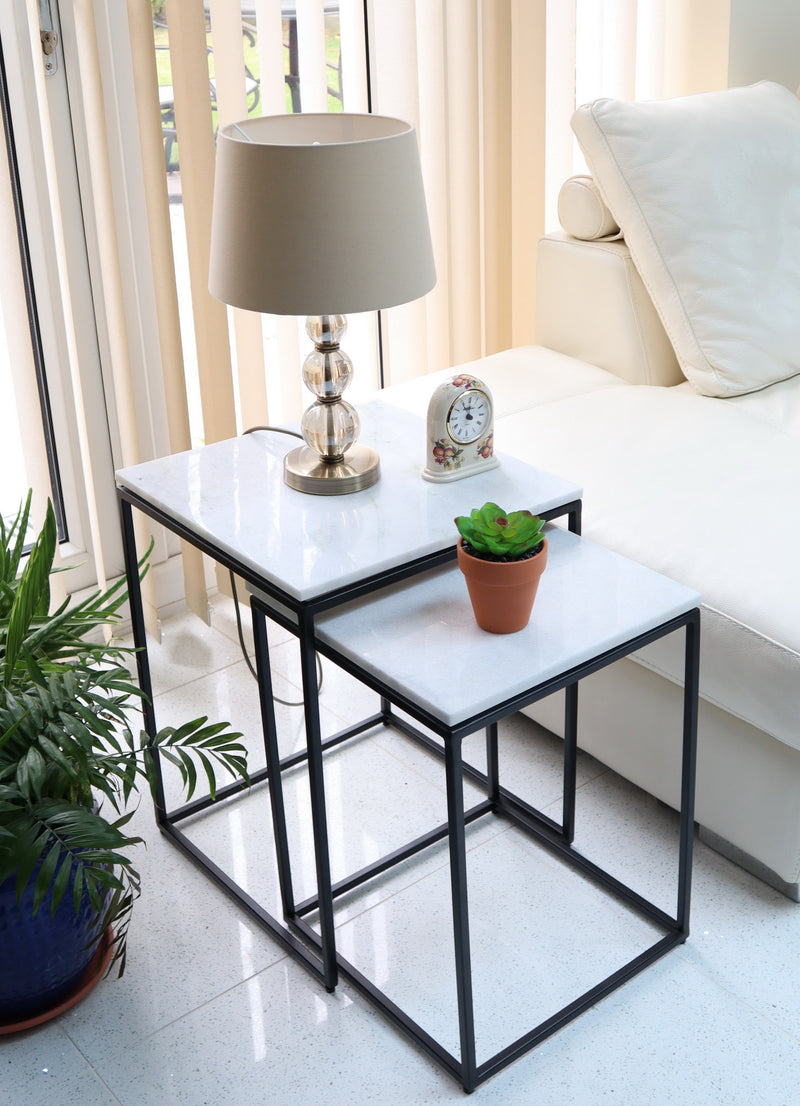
[464, 178]
[186, 23]
[619, 42]
[696, 46]
[354, 55]
[270, 57]
[432, 135]
[282, 364]
[650, 33]
[395, 88]
[189, 63]
[496, 156]
[528, 116]
[166, 293]
[232, 96]
[311, 55]
[113, 297]
[559, 142]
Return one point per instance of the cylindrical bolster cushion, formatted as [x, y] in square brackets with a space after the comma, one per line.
[582, 211]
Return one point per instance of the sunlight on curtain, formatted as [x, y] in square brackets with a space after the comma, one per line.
[470, 76]
[632, 50]
[166, 293]
[104, 219]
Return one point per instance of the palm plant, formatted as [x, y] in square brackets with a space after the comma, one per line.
[70, 759]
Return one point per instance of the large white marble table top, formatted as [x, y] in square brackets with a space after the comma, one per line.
[421, 638]
[232, 493]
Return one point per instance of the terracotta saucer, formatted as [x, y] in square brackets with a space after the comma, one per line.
[90, 978]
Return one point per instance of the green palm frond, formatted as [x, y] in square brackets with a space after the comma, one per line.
[67, 743]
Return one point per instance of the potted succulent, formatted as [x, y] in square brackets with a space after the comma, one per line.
[502, 557]
[70, 762]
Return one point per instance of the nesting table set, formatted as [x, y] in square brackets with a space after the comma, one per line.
[369, 581]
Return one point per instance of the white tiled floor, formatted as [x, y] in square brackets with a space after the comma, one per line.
[211, 1011]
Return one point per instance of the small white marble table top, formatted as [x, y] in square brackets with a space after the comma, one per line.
[421, 638]
[232, 494]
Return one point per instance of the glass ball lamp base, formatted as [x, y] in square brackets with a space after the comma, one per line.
[306, 471]
[330, 463]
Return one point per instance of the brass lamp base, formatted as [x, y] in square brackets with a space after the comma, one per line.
[305, 471]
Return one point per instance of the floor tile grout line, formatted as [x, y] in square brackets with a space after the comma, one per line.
[284, 958]
[97, 1075]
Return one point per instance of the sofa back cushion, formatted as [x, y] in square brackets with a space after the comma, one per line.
[706, 189]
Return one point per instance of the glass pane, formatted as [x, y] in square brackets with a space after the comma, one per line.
[27, 453]
[14, 482]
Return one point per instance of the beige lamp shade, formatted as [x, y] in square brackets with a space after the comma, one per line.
[319, 215]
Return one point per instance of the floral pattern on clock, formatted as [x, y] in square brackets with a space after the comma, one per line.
[446, 454]
[465, 381]
[486, 447]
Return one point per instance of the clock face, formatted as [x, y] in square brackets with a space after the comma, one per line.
[469, 416]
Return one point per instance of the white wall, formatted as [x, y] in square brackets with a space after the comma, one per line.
[765, 42]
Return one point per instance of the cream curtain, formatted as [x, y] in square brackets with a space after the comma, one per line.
[628, 49]
[490, 86]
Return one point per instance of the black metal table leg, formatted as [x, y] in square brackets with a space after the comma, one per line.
[317, 786]
[688, 770]
[492, 764]
[140, 642]
[570, 760]
[274, 780]
[458, 885]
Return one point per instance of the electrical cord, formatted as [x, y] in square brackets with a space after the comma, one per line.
[236, 605]
[273, 430]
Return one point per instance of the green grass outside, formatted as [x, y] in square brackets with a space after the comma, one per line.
[251, 61]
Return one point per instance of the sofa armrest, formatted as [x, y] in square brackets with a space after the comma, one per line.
[592, 305]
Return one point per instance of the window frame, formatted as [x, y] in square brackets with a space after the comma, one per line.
[58, 256]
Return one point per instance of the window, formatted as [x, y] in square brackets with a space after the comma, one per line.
[53, 398]
[27, 443]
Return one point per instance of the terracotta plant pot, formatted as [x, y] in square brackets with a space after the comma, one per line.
[502, 592]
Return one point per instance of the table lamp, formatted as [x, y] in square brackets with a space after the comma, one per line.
[321, 215]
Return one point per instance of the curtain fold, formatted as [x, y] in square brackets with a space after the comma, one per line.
[193, 122]
[110, 274]
[231, 97]
[145, 77]
[471, 76]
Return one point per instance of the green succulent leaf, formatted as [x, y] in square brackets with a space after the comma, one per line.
[490, 531]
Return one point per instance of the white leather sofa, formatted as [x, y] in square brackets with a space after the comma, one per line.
[666, 381]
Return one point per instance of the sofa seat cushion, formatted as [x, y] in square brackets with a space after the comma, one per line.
[679, 482]
[706, 189]
[517, 378]
[778, 405]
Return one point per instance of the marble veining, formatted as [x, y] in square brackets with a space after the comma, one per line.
[233, 493]
[422, 638]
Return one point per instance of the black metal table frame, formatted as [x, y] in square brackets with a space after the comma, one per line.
[316, 950]
[317, 953]
[557, 837]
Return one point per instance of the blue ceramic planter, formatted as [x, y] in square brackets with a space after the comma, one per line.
[43, 958]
